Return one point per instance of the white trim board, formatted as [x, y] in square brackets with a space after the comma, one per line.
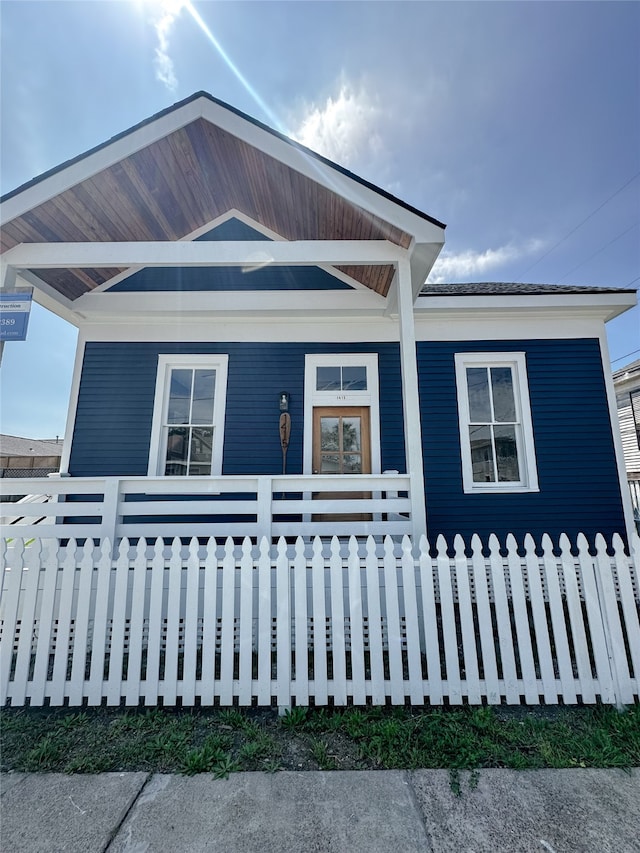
[333, 327]
[369, 398]
[218, 361]
[517, 362]
[167, 253]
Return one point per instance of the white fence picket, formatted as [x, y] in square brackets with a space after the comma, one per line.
[152, 668]
[521, 618]
[209, 624]
[563, 655]
[540, 623]
[99, 638]
[430, 625]
[300, 621]
[319, 610]
[40, 681]
[503, 620]
[63, 632]
[448, 616]
[485, 625]
[337, 626]
[136, 625]
[570, 622]
[394, 635]
[410, 598]
[374, 611]
[29, 595]
[118, 625]
[467, 627]
[283, 628]
[576, 620]
[629, 603]
[169, 683]
[81, 626]
[190, 626]
[356, 625]
[245, 625]
[596, 626]
[264, 624]
[10, 590]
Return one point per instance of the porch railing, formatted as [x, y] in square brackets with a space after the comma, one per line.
[254, 506]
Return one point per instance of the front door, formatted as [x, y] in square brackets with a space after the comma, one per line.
[341, 445]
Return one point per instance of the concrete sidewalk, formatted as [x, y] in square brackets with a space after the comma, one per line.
[557, 811]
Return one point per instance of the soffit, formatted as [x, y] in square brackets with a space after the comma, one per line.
[179, 183]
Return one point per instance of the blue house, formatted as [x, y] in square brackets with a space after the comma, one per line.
[259, 354]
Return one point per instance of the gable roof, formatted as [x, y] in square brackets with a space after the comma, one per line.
[169, 176]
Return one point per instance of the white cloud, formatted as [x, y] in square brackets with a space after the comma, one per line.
[344, 128]
[468, 265]
[167, 12]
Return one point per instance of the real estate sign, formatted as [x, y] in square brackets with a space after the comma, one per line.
[14, 315]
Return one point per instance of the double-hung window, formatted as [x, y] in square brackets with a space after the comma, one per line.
[188, 420]
[496, 434]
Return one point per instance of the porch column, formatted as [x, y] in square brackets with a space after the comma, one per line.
[410, 400]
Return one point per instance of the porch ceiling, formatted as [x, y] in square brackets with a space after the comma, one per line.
[178, 184]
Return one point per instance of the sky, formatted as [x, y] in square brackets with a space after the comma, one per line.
[516, 123]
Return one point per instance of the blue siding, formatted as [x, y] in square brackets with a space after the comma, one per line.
[115, 405]
[229, 278]
[579, 488]
[578, 479]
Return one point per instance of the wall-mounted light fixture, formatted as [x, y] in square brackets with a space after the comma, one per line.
[284, 401]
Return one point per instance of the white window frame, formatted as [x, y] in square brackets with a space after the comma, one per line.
[314, 398]
[524, 432]
[157, 446]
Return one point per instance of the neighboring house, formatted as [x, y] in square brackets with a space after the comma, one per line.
[29, 457]
[627, 385]
[221, 275]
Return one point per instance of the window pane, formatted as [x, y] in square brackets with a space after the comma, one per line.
[351, 434]
[354, 378]
[201, 450]
[179, 396]
[507, 453]
[328, 379]
[203, 392]
[329, 464]
[481, 454]
[352, 463]
[504, 404]
[329, 438]
[479, 402]
[177, 449]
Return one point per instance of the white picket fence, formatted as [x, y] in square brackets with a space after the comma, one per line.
[331, 622]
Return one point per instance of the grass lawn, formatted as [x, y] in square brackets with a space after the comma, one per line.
[224, 741]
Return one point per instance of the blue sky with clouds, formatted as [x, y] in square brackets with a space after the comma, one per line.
[517, 124]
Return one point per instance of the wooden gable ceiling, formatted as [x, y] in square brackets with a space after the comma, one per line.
[182, 182]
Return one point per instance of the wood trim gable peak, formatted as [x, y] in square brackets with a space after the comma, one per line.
[189, 165]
